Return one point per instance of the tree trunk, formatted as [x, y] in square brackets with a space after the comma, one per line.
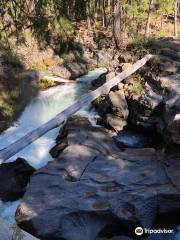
[175, 18]
[109, 6]
[109, 12]
[104, 13]
[117, 24]
[147, 31]
[95, 12]
[88, 14]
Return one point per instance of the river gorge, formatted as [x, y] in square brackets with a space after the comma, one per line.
[106, 173]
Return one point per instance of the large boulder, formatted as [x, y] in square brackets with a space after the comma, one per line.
[76, 69]
[98, 82]
[14, 177]
[157, 107]
[172, 53]
[113, 109]
[174, 129]
[118, 118]
[93, 189]
[115, 122]
[70, 70]
[61, 71]
[119, 103]
[168, 66]
[103, 57]
[145, 109]
[171, 87]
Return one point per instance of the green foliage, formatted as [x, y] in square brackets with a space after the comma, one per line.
[8, 107]
[44, 18]
[137, 86]
[45, 84]
[164, 6]
[135, 15]
[100, 105]
[52, 21]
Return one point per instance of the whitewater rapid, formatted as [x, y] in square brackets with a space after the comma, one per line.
[43, 108]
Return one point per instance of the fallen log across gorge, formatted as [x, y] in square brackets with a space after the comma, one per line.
[83, 101]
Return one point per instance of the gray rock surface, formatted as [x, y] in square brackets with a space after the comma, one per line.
[117, 119]
[116, 122]
[159, 106]
[12, 232]
[172, 53]
[171, 113]
[170, 67]
[14, 178]
[113, 109]
[93, 188]
[102, 79]
[119, 103]
[71, 70]
[103, 57]
[144, 110]
[174, 129]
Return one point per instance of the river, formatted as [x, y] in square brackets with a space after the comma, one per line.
[43, 108]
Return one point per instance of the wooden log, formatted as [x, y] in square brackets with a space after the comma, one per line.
[83, 101]
[56, 79]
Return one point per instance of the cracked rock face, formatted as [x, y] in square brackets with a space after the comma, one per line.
[158, 108]
[172, 106]
[93, 189]
[113, 110]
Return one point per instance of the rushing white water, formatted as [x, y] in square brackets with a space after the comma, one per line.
[46, 106]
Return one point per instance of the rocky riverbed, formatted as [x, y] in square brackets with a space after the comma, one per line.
[107, 180]
[94, 189]
[148, 100]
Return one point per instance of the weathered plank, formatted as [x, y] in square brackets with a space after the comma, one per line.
[8, 232]
[83, 101]
[56, 79]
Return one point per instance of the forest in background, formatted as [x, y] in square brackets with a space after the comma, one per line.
[46, 34]
[105, 180]
[54, 21]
